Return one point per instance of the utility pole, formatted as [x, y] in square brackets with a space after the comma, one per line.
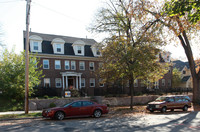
[28, 6]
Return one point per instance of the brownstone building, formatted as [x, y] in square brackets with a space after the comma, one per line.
[70, 63]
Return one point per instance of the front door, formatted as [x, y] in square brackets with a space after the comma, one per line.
[71, 83]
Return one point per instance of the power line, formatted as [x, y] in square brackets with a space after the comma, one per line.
[5, 2]
[58, 12]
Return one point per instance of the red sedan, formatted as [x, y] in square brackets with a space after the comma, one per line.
[76, 109]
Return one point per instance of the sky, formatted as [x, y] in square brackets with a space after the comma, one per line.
[59, 17]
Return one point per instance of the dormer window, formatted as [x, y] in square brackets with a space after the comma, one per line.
[58, 46]
[35, 43]
[78, 47]
[35, 46]
[96, 50]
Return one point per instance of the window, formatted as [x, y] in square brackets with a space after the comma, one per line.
[76, 104]
[82, 82]
[35, 46]
[169, 69]
[169, 82]
[67, 67]
[46, 82]
[184, 72]
[73, 65]
[98, 51]
[82, 65]
[58, 83]
[135, 83]
[163, 82]
[127, 83]
[156, 84]
[35, 63]
[92, 82]
[57, 64]
[101, 84]
[142, 83]
[87, 103]
[100, 64]
[92, 66]
[79, 50]
[58, 47]
[45, 64]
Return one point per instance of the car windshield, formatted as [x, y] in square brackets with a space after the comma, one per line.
[160, 99]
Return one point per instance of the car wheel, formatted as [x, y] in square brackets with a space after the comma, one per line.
[59, 115]
[151, 111]
[185, 108]
[164, 109]
[97, 113]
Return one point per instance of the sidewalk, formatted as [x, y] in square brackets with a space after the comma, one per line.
[18, 112]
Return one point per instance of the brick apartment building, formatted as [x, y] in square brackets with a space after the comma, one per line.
[70, 62]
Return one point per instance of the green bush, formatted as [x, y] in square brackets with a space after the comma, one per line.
[55, 97]
[75, 93]
[46, 96]
[51, 105]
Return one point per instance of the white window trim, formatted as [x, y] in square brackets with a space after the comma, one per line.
[60, 64]
[58, 48]
[48, 64]
[80, 65]
[93, 66]
[163, 82]
[136, 83]
[68, 64]
[156, 84]
[92, 82]
[75, 47]
[49, 82]
[32, 46]
[60, 82]
[58, 41]
[83, 80]
[74, 65]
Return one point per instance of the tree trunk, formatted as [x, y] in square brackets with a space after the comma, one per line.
[131, 92]
[195, 78]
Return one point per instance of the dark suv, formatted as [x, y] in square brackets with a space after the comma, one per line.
[171, 102]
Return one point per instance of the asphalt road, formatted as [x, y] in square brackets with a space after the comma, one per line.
[157, 122]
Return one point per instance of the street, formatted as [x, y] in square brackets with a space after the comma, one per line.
[156, 122]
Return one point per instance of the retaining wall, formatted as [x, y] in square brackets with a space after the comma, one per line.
[38, 104]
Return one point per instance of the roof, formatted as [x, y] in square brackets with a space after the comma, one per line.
[180, 64]
[67, 39]
[47, 47]
[185, 78]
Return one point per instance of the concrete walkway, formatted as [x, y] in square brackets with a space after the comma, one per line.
[17, 112]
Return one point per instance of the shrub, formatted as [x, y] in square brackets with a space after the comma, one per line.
[75, 93]
[51, 105]
[46, 96]
[55, 97]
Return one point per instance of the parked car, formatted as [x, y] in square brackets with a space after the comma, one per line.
[76, 109]
[171, 102]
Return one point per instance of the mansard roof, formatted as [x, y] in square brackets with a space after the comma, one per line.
[68, 49]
